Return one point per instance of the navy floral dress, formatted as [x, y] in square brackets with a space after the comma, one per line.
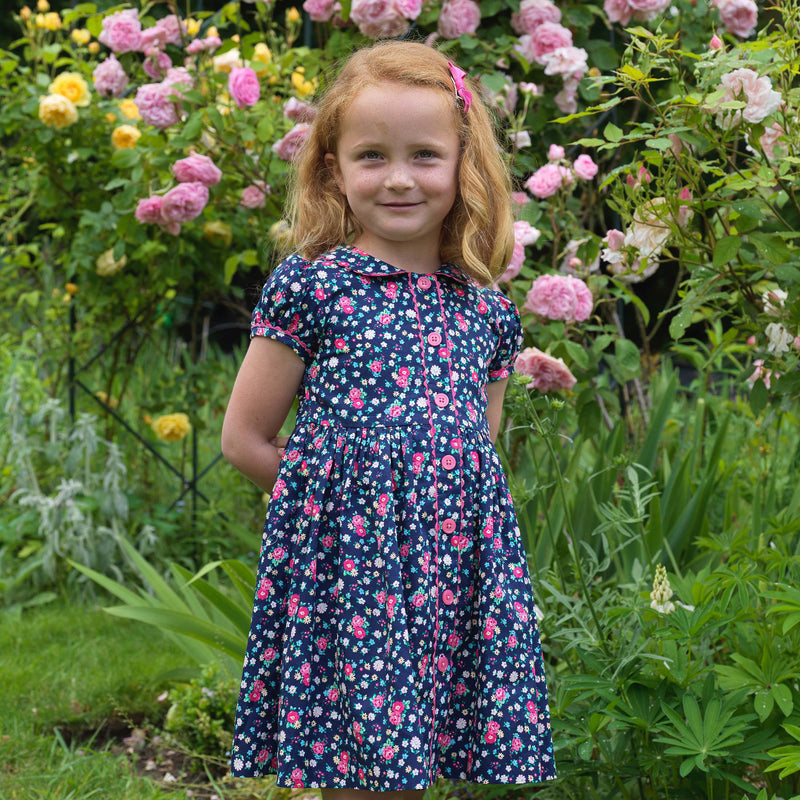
[393, 637]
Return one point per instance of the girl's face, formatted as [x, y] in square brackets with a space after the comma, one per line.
[396, 162]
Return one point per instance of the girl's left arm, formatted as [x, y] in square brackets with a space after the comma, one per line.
[495, 391]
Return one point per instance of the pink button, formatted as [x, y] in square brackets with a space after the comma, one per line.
[440, 399]
[442, 663]
[448, 597]
[424, 282]
[434, 339]
[448, 462]
[449, 525]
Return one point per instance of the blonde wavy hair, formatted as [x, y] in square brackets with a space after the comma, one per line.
[477, 234]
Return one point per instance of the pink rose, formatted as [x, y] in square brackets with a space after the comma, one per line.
[560, 297]
[739, 17]
[458, 17]
[758, 93]
[288, 147]
[109, 77]
[378, 18]
[618, 11]
[122, 31]
[320, 10]
[149, 210]
[172, 28]
[555, 152]
[197, 169]
[548, 374]
[715, 44]
[185, 202]
[571, 62]
[152, 100]
[524, 235]
[567, 99]
[614, 239]
[645, 10]
[156, 64]
[243, 86]
[772, 136]
[545, 182]
[532, 14]
[299, 111]
[520, 199]
[584, 167]
[254, 196]
[520, 139]
[548, 37]
[408, 8]
[199, 45]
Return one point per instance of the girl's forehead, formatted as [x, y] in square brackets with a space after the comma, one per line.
[397, 103]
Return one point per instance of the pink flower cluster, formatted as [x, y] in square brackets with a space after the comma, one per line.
[547, 180]
[548, 374]
[289, 145]
[122, 32]
[157, 102]
[532, 13]
[384, 18]
[199, 45]
[321, 10]
[559, 297]
[458, 17]
[623, 11]
[524, 234]
[109, 77]
[255, 195]
[757, 92]
[186, 200]
[739, 17]
[299, 111]
[549, 43]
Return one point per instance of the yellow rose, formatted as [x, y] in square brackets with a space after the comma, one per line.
[73, 87]
[81, 36]
[192, 26]
[111, 117]
[71, 288]
[51, 20]
[94, 48]
[212, 31]
[25, 13]
[129, 109]
[218, 232]
[107, 265]
[300, 84]
[172, 427]
[57, 111]
[262, 56]
[125, 136]
[292, 15]
[42, 5]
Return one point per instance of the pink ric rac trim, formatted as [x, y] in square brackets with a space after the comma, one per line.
[435, 506]
[266, 325]
[448, 345]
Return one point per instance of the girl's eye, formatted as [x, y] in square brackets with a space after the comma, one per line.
[370, 155]
[426, 154]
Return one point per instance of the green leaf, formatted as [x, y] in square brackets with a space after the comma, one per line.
[125, 158]
[783, 697]
[763, 703]
[628, 359]
[725, 250]
[771, 246]
[759, 397]
[681, 321]
[229, 270]
[612, 132]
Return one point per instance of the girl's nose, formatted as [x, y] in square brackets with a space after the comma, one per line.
[399, 177]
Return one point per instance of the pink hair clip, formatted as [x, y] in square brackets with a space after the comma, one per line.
[461, 90]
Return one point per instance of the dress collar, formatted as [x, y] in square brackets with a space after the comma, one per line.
[363, 263]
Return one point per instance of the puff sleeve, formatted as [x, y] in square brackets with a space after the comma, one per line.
[288, 309]
[509, 339]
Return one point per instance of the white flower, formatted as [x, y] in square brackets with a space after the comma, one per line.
[780, 340]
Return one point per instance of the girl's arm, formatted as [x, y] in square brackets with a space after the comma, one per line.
[262, 395]
[495, 392]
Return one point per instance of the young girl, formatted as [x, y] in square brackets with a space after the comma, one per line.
[393, 636]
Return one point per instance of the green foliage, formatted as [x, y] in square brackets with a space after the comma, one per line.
[200, 717]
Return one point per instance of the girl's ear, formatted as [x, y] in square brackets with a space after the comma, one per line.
[333, 166]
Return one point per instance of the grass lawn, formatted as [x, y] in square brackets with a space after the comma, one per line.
[73, 682]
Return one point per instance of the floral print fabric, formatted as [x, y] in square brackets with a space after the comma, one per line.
[393, 636]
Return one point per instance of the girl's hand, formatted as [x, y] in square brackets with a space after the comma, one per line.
[280, 443]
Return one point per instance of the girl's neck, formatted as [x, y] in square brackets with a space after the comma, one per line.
[409, 258]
